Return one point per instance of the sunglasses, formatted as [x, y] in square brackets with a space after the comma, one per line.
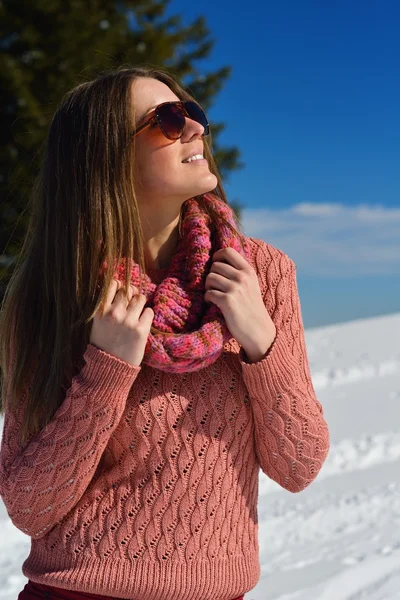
[170, 117]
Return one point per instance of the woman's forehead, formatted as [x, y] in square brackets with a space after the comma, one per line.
[147, 93]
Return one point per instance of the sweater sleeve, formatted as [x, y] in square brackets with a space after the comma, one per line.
[42, 481]
[292, 436]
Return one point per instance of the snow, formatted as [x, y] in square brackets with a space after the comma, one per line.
[339, 539]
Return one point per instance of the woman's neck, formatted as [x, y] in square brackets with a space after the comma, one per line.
[161, 247]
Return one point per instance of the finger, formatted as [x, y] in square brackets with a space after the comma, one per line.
[147, 317]
[113, 288]
[214, 296]
[215, 281]
[224, 269]
[123, 297]
[232, 257]
[135, 307]
[120, 296]
[132, 291]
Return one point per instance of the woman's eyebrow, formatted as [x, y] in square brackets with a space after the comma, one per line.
[149, 110]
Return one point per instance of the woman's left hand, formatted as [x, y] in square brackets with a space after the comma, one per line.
[232, 285]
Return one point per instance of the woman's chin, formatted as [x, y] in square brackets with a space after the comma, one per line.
[208, 184]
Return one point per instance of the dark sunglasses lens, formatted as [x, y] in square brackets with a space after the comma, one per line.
[197, 114]
[171, 120]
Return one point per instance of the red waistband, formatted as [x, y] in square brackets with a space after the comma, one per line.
[36, 591]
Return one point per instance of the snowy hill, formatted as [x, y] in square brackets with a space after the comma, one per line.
[340, 538]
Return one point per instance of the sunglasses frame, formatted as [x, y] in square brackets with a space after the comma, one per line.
[155, 118]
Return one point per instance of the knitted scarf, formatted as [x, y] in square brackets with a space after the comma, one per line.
[188, 333]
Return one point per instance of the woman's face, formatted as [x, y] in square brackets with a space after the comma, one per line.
[161, 175]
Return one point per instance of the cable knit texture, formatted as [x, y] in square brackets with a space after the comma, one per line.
[144, 485]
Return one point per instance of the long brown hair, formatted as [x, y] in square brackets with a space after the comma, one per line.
[84, 193]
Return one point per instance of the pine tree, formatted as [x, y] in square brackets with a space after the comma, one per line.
[48, 46]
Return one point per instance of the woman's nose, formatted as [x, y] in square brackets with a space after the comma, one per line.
[192, 129]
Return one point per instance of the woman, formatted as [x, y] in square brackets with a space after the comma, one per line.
[166, 360]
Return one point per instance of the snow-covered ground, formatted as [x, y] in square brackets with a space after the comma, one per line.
[340, 538]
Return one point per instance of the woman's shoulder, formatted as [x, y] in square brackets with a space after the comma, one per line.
[276, 272]
[263, 255]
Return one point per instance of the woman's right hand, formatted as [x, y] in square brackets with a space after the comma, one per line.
[122, 329]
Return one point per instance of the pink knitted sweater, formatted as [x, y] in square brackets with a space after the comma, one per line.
[144, 485]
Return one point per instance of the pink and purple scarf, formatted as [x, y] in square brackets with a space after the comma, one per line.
[188, 333]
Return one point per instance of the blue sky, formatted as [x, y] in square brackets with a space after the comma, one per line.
[313, 104]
